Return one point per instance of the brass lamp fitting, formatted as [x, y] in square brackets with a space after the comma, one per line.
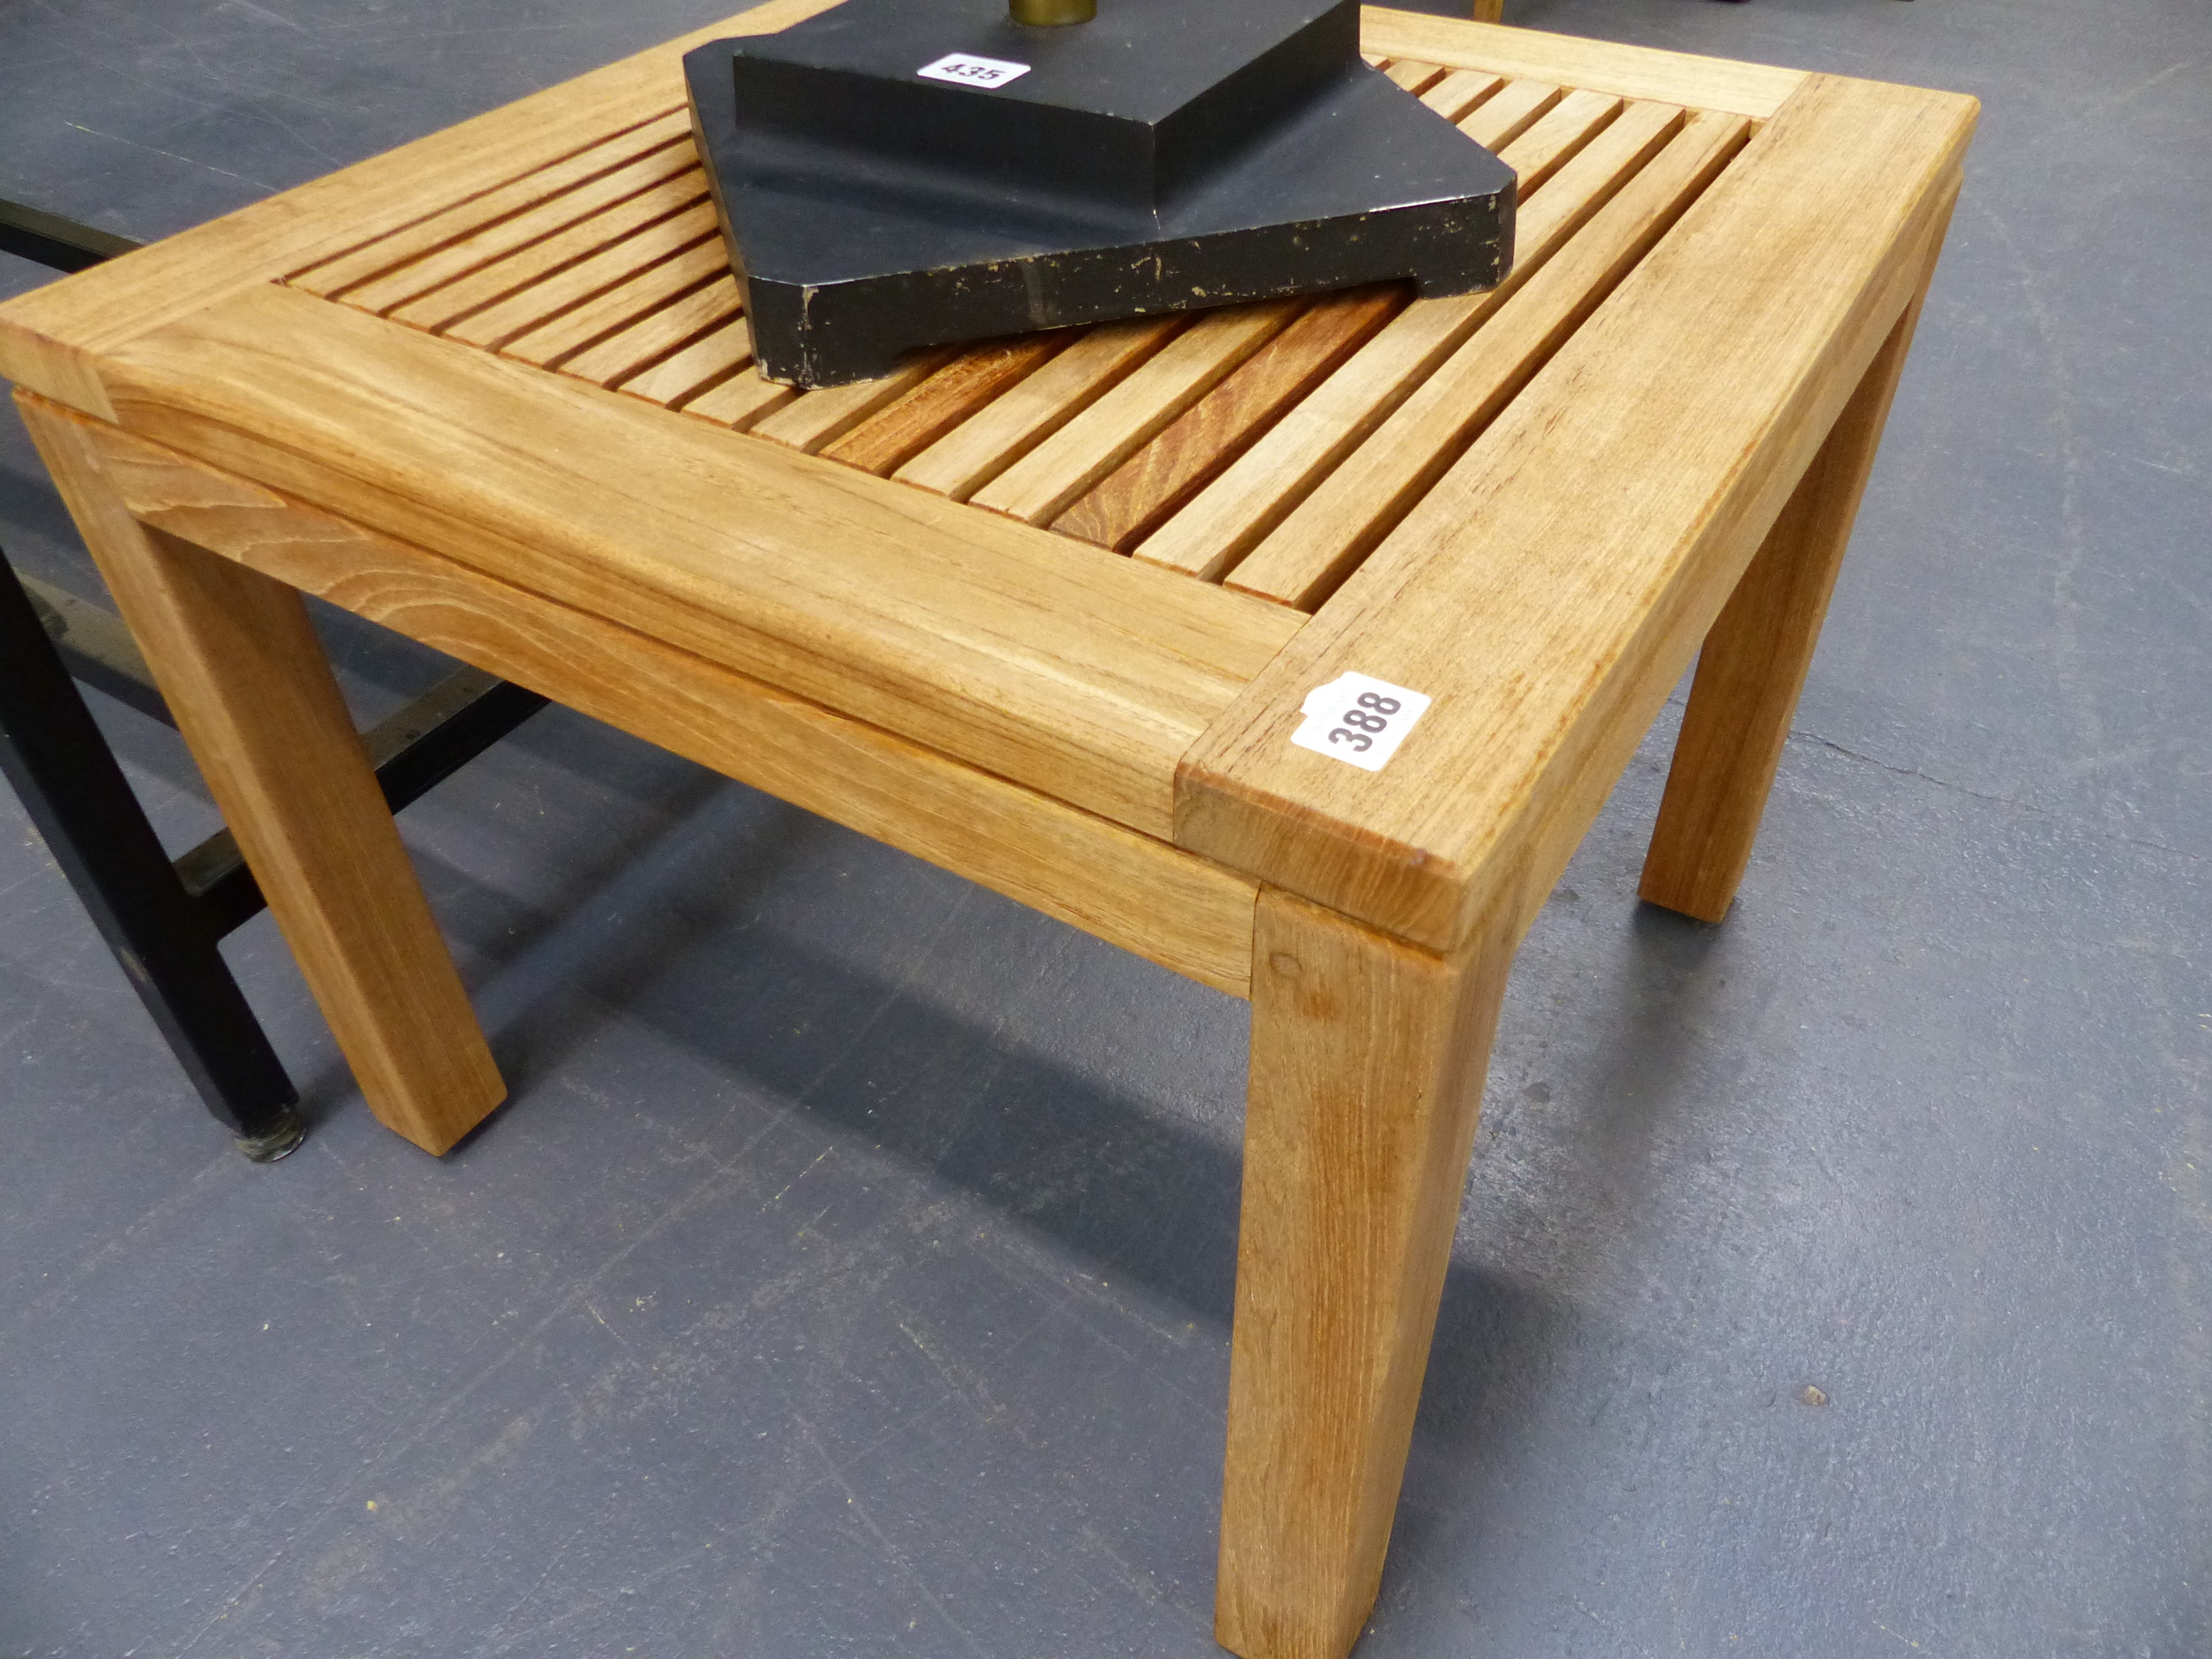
[1051, 14]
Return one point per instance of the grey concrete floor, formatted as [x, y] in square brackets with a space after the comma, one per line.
[851, 1271]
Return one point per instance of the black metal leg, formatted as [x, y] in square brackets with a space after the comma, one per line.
[414, 749]
[49, 239]
[78, 799]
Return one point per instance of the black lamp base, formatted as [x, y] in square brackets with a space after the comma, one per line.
[900, 174]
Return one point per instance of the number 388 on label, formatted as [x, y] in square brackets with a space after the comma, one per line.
[1359, 725]
[1358, 719]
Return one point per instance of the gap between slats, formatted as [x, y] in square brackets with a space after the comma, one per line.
[1163, 476]
[1271, 445]
[1258, 488]
[497, 274]
[440, 228]
[1109, 438]
[1029, 431]
[1233, 371]
[1320, 543]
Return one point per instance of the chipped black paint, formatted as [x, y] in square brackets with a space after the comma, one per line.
[1164, 158]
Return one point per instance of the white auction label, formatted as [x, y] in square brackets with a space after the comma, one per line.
[964, 69]
[1358, 719]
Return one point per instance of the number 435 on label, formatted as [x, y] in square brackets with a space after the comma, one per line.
[1358, 719]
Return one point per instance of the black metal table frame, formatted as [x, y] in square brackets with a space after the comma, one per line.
[164, 918]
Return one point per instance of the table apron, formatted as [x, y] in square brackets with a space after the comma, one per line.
[1175, 908]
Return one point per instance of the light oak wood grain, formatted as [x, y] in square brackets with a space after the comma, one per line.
[985, 445]
[1226, 519]
[1547, 144]
[816, 418]
[1414, 77]
[1542, 507]
[601, 319]
[1497, 121]
[1130, 890]
[1753, 663]
[1368, 1059]
[560, 265]
[657, 335]
[1323, 539]
[539, 191]
[511, 252]
[1086, 448]
[1152, 483]
[706, 362]
[51, 338]
[602, 282]
[1696, 82]
[896, 434]
[1053, 664]
[1454, 96]
[1537, 548]
[740, 401]
[239, 665]
[562, 269]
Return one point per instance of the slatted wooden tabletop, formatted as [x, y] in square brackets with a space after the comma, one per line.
[1050, 610]
[1265, 447]
[1106, 564]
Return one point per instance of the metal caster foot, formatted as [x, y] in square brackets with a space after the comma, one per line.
[282, 1136]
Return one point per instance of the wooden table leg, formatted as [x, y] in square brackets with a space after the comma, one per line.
[1756, 655]
[253, 695]
[1367, 1058]
[1489, 11]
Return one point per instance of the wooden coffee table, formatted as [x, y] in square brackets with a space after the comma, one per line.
[1047, 612]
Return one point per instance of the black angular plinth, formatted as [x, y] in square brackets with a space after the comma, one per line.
[1170, 155]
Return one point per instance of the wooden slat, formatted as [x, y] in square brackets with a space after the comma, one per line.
[1499, 120]
[614, 266]
[658, 335]
[550, 259]
[431, 292]
[469, 219]
[1229, 516]
[1213, 431]
[980, 449]
[895, 435]
[52, 338]
[1456, 95]
[1600, 524]
[1050, 663]
[702, 363]
[1157, 479]
[704, 262]
[1131, 890]
[1415, 77]
[816, 418]
[1547, 145]
[1057, 471]
[1698, 83]
[1313, 549]
[740, 401]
